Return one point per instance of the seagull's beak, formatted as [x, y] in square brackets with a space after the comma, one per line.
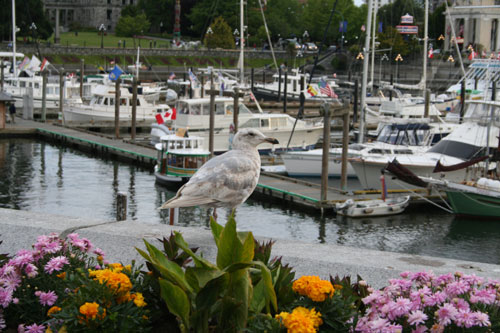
[271, 140]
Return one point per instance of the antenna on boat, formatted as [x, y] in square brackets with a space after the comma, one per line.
[268, 36]
[14, 37]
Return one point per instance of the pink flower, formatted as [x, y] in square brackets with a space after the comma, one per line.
[31, 270]
[435, 299]
[485, 296]
[443, 279]
[56, 264]
[482, 319]
[379, 325]
[5, 297]
[420, 329]
[461, 304]
[422, 277]
[465, 319]
[35, 329]
[457, 288]
[400, 307]
[47, 298]
[417, 317]
[446, 313]
[99, 252]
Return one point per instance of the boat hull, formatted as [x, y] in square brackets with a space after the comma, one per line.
[474, 204]
[303, 164]
[370, 208]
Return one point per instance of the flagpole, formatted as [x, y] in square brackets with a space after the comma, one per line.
[365, 71]
[14, 37]
[426, 28]
[375, 8]
[242, 33]
[137, 64]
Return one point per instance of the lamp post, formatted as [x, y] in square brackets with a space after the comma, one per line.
[398, 59]
[451, 61]
[33, 30]
[102, 29]
[386, 58]
[236, 32]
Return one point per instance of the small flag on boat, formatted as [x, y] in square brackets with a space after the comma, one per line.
[23, 65]
[325, 88]
[44, 64]
[101, 69]
[252, 97]
[159, 119]
[115, 73]
[430, 54]
[311, 91]
[172, 76]
[171, 114]
[34, 64]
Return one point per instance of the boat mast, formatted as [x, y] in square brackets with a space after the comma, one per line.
[242, 60]
[137, 64]
[14, 37]
[375, 8]
[365, 71]
[426, 28]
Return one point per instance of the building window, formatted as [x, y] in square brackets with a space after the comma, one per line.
[109, 14]
[493, 40]
[109, 2]
[474, 21]
[124, 2]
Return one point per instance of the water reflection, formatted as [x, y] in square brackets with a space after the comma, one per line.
[58, 180]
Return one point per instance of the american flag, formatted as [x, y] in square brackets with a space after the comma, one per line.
[325, 89]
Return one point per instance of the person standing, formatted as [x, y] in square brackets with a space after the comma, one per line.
[12, 112]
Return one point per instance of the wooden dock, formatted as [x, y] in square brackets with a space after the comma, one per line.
[292, 192]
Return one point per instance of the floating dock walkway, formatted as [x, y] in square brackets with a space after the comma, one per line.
[284, 190]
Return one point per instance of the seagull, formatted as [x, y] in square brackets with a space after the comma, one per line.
[226, 180]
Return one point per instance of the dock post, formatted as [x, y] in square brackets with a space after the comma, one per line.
[264, 77]
[392, 83]
[1, 75]
[117, 108]
[61, 94]
[251, 87]
[212, 116]
[121, 206]
[326, 151]
[355, 106]
[202, 90]
[476, 79]
[285, 90]
[279, 84]
[345, 144]
[173, 215]
[82, 74]
[134, 108]
[236, 108]
[427, 101]
[44, 95]
[462, 102]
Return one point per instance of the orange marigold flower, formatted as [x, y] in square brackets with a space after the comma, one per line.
[118, 282]
[301, 320]
[116, 267]
[53, 310]
[138, 300]
[313, 287]
[61, 275]
[91, 310]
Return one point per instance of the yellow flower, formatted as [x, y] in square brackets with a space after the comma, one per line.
[53, 310]
[91, 310]
[116, 281]
[301, 320]
[313, 287]
[62, 275]
[138, 300]
[116, 267]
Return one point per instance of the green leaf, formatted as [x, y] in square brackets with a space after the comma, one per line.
[216, 230]
[144, 254]
[177, 300]
[198, 260]
[258, 298]
[202, 275]
[248, 247]
[268, 284]
[229, 246]
[169, 270]
[237, 266]
[235, 302]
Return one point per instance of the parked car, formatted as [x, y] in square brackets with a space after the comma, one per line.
[311, 47]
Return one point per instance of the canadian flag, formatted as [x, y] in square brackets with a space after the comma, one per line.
[171, 114]
[430, 54]
[472, 55]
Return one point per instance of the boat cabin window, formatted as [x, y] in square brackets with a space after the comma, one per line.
[356, 146]
[242, 109]
[37, 85]
[251, 123]
[219, 108]
[123, 101]
[278, 122]
[403, 151]
[195, 109]
[22, 84]
[456, 149]
[182, 108]
[379, 151]
[264, 123]
[229, 109]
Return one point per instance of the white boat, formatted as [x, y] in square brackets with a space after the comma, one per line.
[467, 141]
[367, 208]
[102, 107]
[194, 114]
[393, 139]
[269, 91]
[179, 157]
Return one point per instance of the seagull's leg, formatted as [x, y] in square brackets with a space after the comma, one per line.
[214, 213]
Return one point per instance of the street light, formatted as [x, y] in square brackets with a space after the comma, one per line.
[386, 58]
[451, 61]
[398, 59]
[33, 29]
[102, 30]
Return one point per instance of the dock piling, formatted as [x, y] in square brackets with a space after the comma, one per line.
[121, 206]
[117, 108]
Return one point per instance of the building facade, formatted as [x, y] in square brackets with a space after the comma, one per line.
[475, 23]
[86, 13]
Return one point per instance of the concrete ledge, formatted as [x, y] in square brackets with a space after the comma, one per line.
[19, 229]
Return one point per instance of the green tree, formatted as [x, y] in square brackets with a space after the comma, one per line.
[437, 22]
[27, 12]
[220, 35]
[129, 26]
[160, 13]
[392, 38]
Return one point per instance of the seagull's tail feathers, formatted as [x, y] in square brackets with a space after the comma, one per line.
[180, 201]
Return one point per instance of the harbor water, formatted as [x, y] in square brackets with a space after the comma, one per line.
[41, 177]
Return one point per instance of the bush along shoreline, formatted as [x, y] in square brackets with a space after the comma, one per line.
[66, 285]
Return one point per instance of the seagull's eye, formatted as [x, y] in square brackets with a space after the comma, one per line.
[251, 134]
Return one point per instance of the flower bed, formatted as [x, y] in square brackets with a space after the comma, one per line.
[66, 285]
